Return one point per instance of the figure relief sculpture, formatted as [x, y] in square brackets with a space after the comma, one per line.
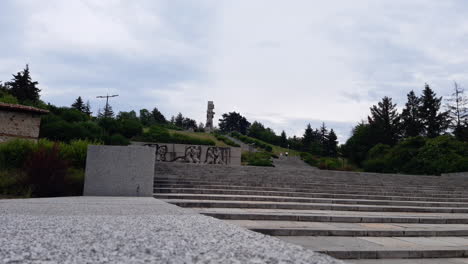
[193, 154]
[215, 155]
[161, 152]
[209, 117]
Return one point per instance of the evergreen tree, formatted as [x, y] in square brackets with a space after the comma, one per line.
[107, 113]
[172, 120]
[87, 108]
[158, 117]
[189, 124]
[283, 140]
[412, 125]
[23, 88]
[332, 144]
[146, 118]
[179, 120]
[435, 122]
[458, 112]
[385, 122]
[323, 134]
[234, 122]
[79, 105]
[308, 139]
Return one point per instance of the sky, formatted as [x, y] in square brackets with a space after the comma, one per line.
[283, 63]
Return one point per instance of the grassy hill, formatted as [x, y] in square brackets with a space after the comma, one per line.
[199, 135]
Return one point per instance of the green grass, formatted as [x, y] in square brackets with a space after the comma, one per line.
[200, 135]
[277, 149]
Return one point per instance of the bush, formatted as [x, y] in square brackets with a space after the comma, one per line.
[116, 140]
[329, 164]
[257, 159]
[12, 184]
[13, 153]
[76, 151]
[226, 140]
[131, 128]
[309, 159]
[161, 135]
[46, 172]
[249, 140]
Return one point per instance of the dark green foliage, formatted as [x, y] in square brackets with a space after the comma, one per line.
[5, 96]
[458, 112]
[23, 88]
[309, 159]
[257, 159]
[131, 127]
[87, 109]
[360, 142]
[158, 117]
[412, 125]
[434, 121]
[258, 131]
[331, 145]
[256, 143]
[116, 139]
[13, 153]
[384, 122]
[419, 155]
[283, 141]
[46, 172]
[233, 122]
[226, 140]
[79, 105]
[127, 115]
[146, 118]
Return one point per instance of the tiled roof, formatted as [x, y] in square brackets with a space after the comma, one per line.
[22, 108]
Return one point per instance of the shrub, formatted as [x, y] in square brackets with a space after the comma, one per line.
[309, 159]
[226, 140]
[46, 172]
[329, 164]
[13, 153]
[161, 135]
[76, 151]
[257, 159]
[131, 128]
[12, 184]
[117, 140]
[249, 140]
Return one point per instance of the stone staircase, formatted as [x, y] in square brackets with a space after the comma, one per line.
[347, 215]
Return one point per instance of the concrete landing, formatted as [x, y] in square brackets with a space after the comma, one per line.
[411, 261]
[131, 230]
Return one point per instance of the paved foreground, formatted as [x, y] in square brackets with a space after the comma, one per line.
[131, 230]
[348, 215]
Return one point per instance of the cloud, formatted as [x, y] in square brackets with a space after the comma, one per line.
[282, 63]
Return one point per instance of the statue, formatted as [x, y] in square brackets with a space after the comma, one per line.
[209, 117]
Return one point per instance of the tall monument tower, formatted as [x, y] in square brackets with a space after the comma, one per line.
[209, 117]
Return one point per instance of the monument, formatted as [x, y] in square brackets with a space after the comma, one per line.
[209, 117]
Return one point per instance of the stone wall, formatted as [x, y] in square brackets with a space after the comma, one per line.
[197, 154]
[119, 171]
[19, 125]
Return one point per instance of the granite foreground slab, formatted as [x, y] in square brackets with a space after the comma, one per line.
[131, 230]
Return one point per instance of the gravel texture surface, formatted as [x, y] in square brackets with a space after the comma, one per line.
[131, 230]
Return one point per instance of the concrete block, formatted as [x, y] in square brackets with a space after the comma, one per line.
[119, 171]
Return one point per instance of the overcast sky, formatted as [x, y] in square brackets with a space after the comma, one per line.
[284, 63]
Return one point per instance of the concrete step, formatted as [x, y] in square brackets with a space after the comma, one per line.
[308, 194]
[292, 228]
[315, 189]
[310, 184]
[310, 206]
[410, 261]
[333, 216]
[305, 200]
[384, 247]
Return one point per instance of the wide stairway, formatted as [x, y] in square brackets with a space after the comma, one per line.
[360, 217]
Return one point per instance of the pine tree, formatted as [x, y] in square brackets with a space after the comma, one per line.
[435, 122]
[458, 112]
[158, 117]
[23, 88]
[332, 144]
[179, 120]
[323, 133]
[87, 108]
[412, 125]
[308, 139]
[283, 139]
[107, 113]
[385, 122]
[146, 118]
[79, 105]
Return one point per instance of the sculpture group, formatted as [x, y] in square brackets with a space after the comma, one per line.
[194, 154]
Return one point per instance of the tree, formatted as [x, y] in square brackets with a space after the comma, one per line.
[158, 117]
[189, 124]
[87, 109]
[385, 122]
[283, 140]
[435, 122]
[107, 113]
[331, 146]
[412, 125]
[234, 122]
[127, 116]
[146, 118]
[458, 112]
[179, 120]
[79, 105]
[23, 88]
[360, 142]
[307, 139]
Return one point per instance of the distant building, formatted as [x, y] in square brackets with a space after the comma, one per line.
[19, 121]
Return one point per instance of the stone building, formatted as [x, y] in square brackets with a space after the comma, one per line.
[19, 121]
